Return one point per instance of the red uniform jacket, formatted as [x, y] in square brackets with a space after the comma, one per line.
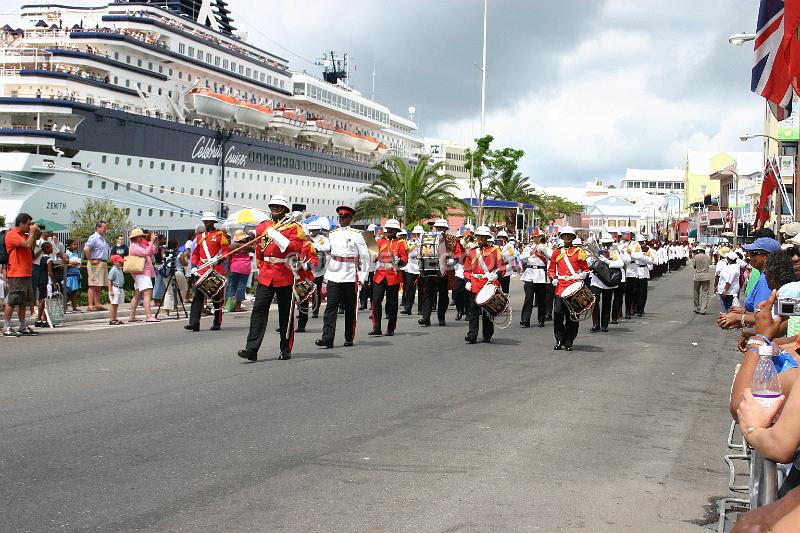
[217, 243]
[273, 268]
[387, 252]
[559, 270]
[308, 254]
[474, 272]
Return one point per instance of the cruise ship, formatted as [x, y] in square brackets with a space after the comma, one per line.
[164, 107]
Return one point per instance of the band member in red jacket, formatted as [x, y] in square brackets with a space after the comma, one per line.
[392, 256]
[280, 239]
[567, 266]
[306, 264]
[482, 265]
[210, 246]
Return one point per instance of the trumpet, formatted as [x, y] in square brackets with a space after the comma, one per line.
[279, 226]
[470, 242]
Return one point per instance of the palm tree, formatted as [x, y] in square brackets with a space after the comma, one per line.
[509, 186]
[420, 189]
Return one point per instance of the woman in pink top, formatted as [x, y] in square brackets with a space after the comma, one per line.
[143, 282]
[239, 269]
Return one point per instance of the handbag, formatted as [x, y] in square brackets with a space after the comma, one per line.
[610, 277]
[133, 264]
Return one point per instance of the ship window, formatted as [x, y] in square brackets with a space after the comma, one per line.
[208, 57]
[171, 214]
[241, 69]
[191, 191]
[262, 76]
[191, 51]
[173, 167]
[140, 188]
[127, 83]
[162, 165]
[138, 62]
[227, 194]
[150, 212]
[272, 160]
[128, 59]
[102, 184]
[116, 186]
[183, 190]
[151, 188]
[192, 169]
[161, 212]
[172, 190]
[233, 66]
[89, 184]
[285, 161]
[139, 212]
[161, 69]
[201, 192]
[128, 161]
[247, 72]
[127, 186]
[234, 195]
[291, 163]
[200, 55]
[180, 75]
[250, 196]
[104, 158]
[116, 55]
[183, 169]
[141, 163]
[225, 63]
[216, 60]
[202, 170]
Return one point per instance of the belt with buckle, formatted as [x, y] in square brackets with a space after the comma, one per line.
[271, 259]
[343, 259]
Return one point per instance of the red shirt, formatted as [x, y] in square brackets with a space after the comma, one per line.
[308, 254]
[217, 243]
[277, 274]
[20, 258]
[387, 252]
[474, 272]
[559, 269]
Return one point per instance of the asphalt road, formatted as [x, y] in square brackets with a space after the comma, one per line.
[149, 427]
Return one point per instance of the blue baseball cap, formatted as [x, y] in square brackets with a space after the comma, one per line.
[764, 244]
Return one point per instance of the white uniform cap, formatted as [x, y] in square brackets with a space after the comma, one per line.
[577, 241]
[732, 256]
[640, 238]
[208, 216]
[418, 229]
[372, 227]
[441, 223]
[607, 238]
[312, 226]
[279, 199]
[392, 224]
[402, 232]
[567, 229]
[469, 227]
[502, 233]
[483, 230]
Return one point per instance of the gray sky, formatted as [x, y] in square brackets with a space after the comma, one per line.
[586, 87]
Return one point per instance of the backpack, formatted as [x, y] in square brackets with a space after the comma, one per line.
[3, 250]
[611, 277]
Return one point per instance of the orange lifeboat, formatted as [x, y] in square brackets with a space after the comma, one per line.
[346, 140]
[210, 104]
[254, 115]
[317, 130]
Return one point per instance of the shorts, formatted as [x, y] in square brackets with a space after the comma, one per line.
[142, 282]
[117, 296]
[20, 291]
[97, 274]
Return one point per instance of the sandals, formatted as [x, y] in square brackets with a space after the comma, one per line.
[134, 320]
[153, 320]
[115, 322]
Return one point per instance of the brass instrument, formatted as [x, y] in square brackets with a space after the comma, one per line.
[279, 226]
[450, 243]
[470, 242]
[372, 245]
[542, 239]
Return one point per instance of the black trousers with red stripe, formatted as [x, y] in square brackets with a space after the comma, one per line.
[260, 315]
[392, 293]
[344, 294]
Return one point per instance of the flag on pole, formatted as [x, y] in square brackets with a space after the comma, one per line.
[768, 187]
[770, 75]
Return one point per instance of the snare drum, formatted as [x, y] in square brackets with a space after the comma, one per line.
[579, 300]
[494, 303]
[432, 254]
[303, 290]
[210, 283]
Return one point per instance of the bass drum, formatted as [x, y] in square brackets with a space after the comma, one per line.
[579, 300]
[496, 304]
[432, 254]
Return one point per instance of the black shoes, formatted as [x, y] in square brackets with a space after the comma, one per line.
[315, 315]
[568, 346]
[541, 324]
[375, 333]
[558, 345]
[300, 330]
[594, 328]
[423, 322]
[348, 344]
[390, 333]
[248, 354]
[459, 316]
[322, 344]
[285, 354]
[627, 316]
[548, 317]
[487, 341]
[216, 327]
[191, 328]
[404, 312]
[639, 314]
[615, 321]
[442, 323]
[604, 330]
[470, 340]
[524, 325]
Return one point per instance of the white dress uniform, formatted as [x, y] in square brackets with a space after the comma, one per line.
[320, 242]
[347, 256]
[412, 267]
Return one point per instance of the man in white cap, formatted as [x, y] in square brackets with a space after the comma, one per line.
[392, 255]
[482, 265]
[632, 275]
[728, 283]
[348, 268]
[436, 287]
[509, 255]
[603, 293]
[279, 239]
[315, 231]
[567, 267]
[644, 260]
[210, 246]
[535, 259]
[411, 284]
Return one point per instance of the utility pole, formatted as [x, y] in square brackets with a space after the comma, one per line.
[483, 107]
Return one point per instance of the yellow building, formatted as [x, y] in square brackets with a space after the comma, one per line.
[701, 165]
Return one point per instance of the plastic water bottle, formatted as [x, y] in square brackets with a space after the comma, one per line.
[766, 386]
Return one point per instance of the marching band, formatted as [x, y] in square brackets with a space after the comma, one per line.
[565, 279]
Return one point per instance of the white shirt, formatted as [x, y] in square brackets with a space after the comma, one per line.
[644, 263]
[632, 269]
[612, 263]
[729, 274]
[322, 266]
[346, 243]
[535, 269]
[412, 267]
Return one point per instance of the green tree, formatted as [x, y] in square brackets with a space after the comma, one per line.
[548, 208]
[420, 189]
[486, 165]
[94, 210]
[509, 186]
[2, 221]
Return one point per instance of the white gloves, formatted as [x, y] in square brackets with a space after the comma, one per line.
[278, 238]
[451, 262]
[468, 286]
[307, 265]
[554, 282]
[491, 276]
[194, 271]
[583, 275]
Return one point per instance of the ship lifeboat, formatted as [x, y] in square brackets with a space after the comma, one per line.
[211, 104]
[381, 151]
[366, 144]
[287, 122]
[346, 140]
[317, 131]
[254, 115]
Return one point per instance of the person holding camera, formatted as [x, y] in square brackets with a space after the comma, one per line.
[211, 245]
[141, 246]
[20, 242]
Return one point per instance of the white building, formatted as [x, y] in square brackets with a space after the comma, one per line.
[665, 181]
[453, 158]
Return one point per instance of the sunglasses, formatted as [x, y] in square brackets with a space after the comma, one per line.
[794, 250]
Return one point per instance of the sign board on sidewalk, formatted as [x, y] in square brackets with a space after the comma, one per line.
[54, 310]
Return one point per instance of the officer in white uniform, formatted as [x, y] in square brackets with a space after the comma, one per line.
[632, 277]
[348, 268]
[318, 239]
[535, 260]
[411, 283]
[601, 313]
[644, 260]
